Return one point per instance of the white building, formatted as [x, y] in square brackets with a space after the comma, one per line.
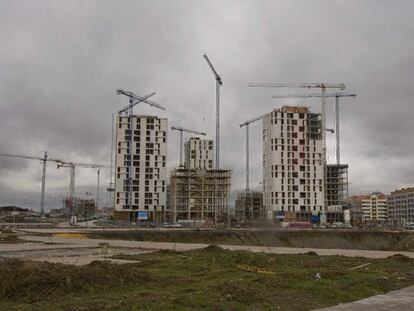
[292, 161]
[374, 207]
[148, 172]
[199, 153]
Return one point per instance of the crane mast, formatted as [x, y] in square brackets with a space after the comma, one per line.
[181, 130]
[42, 192]
[44, 159]
[219, 83]
[246, 124]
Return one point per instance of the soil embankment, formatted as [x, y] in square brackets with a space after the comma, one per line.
[345, 239]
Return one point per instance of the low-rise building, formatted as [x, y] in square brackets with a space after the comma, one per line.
[400, 205]
[85, 208]
[374, 207]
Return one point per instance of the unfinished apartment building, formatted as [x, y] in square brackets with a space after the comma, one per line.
[292, 161]
[249, 206]
[198, 192]
[199, 153]
[336, 185]
[140, 167]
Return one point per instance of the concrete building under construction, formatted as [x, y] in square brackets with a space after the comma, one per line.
[197, 191]
[292, 161]
[199, 194]
[336, 184]
[199, 153]
[249, 206]
[83, 207]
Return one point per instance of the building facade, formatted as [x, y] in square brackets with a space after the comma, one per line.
[140, 166]
[292, 161]
[249, 206]
[199, 194]
[400, 205]
[199, 153]
[374, 207]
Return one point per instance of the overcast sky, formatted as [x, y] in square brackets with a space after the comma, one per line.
[61, 61]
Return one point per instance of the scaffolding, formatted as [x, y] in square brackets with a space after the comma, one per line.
[337, 184]
[249, 206]
[199, 194]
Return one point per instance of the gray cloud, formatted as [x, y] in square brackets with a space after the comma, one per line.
[62, 61]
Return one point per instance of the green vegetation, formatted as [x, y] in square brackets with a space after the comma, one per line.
[208, 279]
[341, 239]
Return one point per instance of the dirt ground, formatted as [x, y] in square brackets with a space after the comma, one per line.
[340, 239]
[206, 279]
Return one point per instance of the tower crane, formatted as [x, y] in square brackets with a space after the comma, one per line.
[181, 130]
[111, 184]
[44, 160]
[246, 124]
[337, 96]
[134, 99]
[323, 87]
[72, 166]
[219, 83]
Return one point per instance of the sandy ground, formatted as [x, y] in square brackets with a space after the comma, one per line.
[70, 254]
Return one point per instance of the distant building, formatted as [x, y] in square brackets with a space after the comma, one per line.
[401, 206]
[354, 204]
[140, 180]
[14, 210]
[292, 161]
[374, 207]
[249, 206]
[84, 207]
[199, 153]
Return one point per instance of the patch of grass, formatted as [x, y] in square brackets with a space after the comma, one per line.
[205, 279]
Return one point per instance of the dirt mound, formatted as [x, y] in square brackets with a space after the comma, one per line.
[35, 281]
[311, 253]
[399, 257]
[212, 248]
